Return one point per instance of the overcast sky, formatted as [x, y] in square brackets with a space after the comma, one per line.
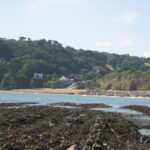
[115, 26]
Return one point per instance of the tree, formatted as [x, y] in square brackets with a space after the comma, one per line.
[22, 38]
[38, 66]
[8, 82]
[21, 58]
[36, 83]
[5, 51]
[21, 81]
[3, 68]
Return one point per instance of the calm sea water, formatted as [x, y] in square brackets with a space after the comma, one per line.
[44, 98]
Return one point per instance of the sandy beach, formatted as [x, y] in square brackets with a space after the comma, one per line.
[48, 90]
[85, 91]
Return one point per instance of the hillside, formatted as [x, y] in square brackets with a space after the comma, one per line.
[20, 59]
[125, 81]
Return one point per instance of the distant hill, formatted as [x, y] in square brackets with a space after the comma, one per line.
[125, 81]
[20, 59]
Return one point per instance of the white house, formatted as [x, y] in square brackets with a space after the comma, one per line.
[38, 75]
[63, 78]
[65, 82]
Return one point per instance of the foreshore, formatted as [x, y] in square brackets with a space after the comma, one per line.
[48, 90]
[119, 93]
[52, 128]
[85, 92]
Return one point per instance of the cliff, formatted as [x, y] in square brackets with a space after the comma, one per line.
[126, 83]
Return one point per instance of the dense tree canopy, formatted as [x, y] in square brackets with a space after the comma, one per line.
[19, 59]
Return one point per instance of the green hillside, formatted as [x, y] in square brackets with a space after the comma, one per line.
[126, 80]
[20, 59]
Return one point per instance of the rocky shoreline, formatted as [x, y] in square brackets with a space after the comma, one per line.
[119, 93]
[79, 106]
[144, 109]
[85, 92]
[54, 128]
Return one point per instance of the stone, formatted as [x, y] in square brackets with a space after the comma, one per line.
[90, 142]
[97, 147]
[73, 147]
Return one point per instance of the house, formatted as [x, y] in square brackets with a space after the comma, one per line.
[109, 67]
[63, 78]
[65, 82]
[97, 68]
[38, 75]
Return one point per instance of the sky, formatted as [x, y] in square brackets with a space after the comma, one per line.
[114, 26]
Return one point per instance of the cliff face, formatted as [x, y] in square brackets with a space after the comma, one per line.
[125, 84]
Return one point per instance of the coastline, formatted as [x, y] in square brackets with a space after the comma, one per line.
[142, 94]
[48, 90]
[139, 94]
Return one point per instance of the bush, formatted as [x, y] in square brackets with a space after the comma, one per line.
[36, 83]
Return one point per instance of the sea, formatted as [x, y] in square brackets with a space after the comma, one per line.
[45, 98]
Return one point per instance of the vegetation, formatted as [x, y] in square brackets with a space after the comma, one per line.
[127, 74]
[20, 59]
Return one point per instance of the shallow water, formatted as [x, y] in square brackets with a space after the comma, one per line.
[44, 98]
[145, 132]
[139, 119]
[119, 110]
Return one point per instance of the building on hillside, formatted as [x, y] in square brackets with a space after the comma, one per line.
[65, 82]
[63, 78]
[38, 76]
[97, 68]
[110, 67]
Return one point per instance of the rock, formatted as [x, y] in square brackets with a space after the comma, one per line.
[98, 120]
[73, 147]
[69, 125]
[14, 148]
[97, 147]
[86, 148]
[46, 128]
[51, 124]
[98, 141]
[90, 142]
[97, 126]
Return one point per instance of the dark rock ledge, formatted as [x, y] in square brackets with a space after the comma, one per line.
[49, 128]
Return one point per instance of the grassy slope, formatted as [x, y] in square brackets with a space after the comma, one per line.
[125, 81]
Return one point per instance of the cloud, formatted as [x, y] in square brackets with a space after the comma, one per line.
[147, 54]
[103, 44]
[36, 5]
[126, 43]
[128, 17]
